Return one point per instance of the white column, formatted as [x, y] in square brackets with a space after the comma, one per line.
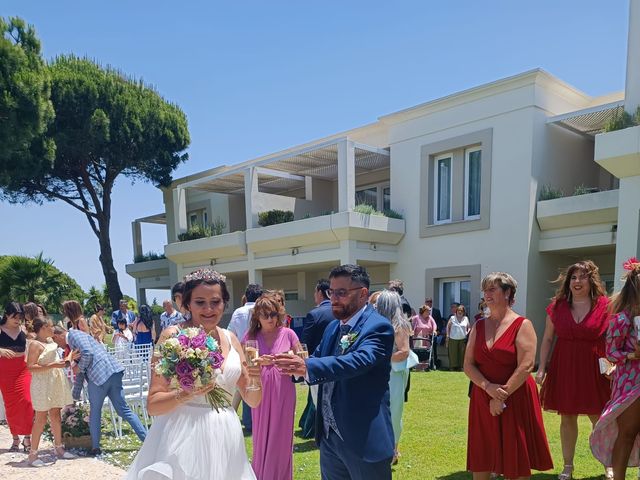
[308, 188]
[632, 85]
[180, 210]
[136, 234]
[346, 176]
[628, 234]
[250, 188]
[302, 285]
[255, 276]
[142, 296]
[348, 252]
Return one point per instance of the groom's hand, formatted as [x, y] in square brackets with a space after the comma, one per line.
[290, 364]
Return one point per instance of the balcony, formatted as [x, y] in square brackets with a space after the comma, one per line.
[219, 246]
[619, 152]
[151, 274]
[326, 229]
[586, 222]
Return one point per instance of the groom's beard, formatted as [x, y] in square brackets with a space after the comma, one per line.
[343, 312]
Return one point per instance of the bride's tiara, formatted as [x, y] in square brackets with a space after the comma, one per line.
[205, 274]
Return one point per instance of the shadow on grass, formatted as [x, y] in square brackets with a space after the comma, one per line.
[298, 434]
[307, 446]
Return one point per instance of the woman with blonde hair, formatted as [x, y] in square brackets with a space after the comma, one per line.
[616, 437]
[572, 384]
[272, 420]
[506, 433]
[73, 311]
[389, 305]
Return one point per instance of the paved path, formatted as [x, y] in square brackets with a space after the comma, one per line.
[13, 465]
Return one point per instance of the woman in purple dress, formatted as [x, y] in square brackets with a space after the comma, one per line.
[273, 418]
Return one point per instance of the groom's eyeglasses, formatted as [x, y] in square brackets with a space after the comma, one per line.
[341, 292]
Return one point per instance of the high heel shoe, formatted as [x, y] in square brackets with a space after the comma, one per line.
[26, 444]
[15, 446]
[63, 454]
[567, 473]
[608, 473]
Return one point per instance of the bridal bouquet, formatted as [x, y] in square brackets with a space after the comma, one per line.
[191, 360]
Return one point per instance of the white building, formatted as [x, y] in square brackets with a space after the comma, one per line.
[465, 171]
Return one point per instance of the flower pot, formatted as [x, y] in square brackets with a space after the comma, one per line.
[69, 441]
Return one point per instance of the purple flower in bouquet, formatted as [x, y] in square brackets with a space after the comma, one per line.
[216, 359]
[184, 340]
[199, 340]
[183, 369]
[186, 382]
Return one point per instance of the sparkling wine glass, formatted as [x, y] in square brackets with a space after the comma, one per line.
[251, 353]
[302, 352]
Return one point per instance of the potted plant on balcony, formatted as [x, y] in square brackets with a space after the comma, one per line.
[273, 217]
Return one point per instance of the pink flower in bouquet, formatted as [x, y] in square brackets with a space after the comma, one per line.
[216, 359]
[186, 382]
[199, 340]
[183, 369]
[184, 340]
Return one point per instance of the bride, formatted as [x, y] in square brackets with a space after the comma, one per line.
[188, 439]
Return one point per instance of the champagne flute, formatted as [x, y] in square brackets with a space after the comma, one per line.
[302, 352]
[251, 353]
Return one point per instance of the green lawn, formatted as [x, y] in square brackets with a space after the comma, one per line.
[433, 444]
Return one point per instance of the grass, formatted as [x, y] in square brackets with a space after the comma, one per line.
[433, 443]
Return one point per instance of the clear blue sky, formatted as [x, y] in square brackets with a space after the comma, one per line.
[256, 77]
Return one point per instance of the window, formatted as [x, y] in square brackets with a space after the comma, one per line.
[290, 295]
[455, 290]
[443, 178]
[455, 184]
[198, 217]
[367, 196]
[472, 182]
[377, 196]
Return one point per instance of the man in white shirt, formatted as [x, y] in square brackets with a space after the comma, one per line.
[239, 325]
[170, 316]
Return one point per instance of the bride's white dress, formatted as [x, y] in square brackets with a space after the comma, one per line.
[194, 442]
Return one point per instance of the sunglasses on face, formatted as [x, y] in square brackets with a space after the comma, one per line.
[269, 315]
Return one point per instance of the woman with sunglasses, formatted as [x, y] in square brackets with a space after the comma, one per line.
[15, 380]
[273, 419]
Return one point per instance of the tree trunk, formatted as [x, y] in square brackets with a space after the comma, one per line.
[106, 260]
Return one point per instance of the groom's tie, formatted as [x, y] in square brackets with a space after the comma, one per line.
[328, 419]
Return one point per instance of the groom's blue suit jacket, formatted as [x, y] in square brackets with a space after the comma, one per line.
[360, 400]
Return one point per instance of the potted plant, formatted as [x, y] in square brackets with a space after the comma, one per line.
[75, 426]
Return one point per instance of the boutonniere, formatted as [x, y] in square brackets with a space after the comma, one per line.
[347, 340]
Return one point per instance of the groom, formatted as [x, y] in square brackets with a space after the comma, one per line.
[352, 364]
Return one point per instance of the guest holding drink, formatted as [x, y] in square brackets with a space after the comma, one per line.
[506, 433]
[571, 381]
[272, 420]
[615, 439]
[49, 388]
[15, 378]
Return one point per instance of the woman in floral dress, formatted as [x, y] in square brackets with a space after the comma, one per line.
[616, 437]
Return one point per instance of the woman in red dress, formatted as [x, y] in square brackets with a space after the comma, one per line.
[506, 434]
[15, 379]
[571, 381]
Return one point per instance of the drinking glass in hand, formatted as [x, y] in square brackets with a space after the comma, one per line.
[252, 353]
[302, 352]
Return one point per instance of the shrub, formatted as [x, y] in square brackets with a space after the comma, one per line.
[622, 119]
[273, 217]
[196, 230]
[218, 226]
[583, 190]
[549, 193]
[146, 257]
[367, 209]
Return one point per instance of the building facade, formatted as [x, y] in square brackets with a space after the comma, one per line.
[473, 175]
